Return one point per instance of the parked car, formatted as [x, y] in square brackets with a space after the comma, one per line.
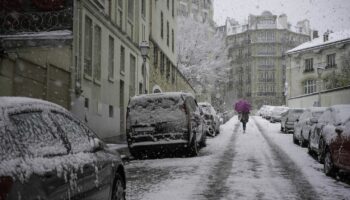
[211, 118]
[267, 113]
[289, 118]
[162, 122]
[305, 125]
[324, 138]
[277, 112]
[46, 153]
[337, 149]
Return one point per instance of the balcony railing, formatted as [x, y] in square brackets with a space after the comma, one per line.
[37, 21]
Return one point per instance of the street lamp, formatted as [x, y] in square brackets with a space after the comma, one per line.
[319, 73]
[144, 48]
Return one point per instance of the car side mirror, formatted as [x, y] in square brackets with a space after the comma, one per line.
[96, 144]
[338, 130]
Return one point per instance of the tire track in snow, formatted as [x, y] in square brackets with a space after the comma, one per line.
[216, 187]
[302, 186]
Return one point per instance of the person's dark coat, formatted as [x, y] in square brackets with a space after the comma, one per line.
[244, 117]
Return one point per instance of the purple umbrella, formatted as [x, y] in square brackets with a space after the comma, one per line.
[242, 106]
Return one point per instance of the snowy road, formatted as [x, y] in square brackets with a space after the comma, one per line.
[260, 164]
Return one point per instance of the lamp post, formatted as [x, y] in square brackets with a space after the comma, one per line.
[144, 48]
[319, 73]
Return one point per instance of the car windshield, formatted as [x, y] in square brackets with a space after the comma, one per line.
[31, 134]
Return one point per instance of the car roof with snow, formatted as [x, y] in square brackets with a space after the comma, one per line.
[26, 102]
[161, 95]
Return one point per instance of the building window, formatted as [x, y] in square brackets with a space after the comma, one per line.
[130, 26]
[168, 65]
[173, 8]
[309, 65]
[111, 111]
[172, 40]
[155, 56]
[122, 59]
[132, 75]
[143, 8]
[173, 74]
[111, 59]
[168, 4]
[331, 61]
[97, 54]
[86, 103]
[167, 33]
[162, 63]
[309, 86]
[119, 15]
[161, 25]
[88, 47]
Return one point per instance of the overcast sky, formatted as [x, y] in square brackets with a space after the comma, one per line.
[323, 14]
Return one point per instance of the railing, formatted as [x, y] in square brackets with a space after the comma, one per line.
[14, 22]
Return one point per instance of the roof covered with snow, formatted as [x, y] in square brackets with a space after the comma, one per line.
[319, 42]
[160, 95]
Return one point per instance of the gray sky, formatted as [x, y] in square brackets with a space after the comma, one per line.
[323, 14]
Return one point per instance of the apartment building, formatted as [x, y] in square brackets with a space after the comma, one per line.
[257, 56]
[164, 74]
[318, 71]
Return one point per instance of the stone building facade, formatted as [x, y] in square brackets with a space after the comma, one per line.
[91, 65]
[36, 60]
[164, 74]
[318, 72]
[257, 56]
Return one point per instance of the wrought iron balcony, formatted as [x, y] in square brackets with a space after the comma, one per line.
[13, 22]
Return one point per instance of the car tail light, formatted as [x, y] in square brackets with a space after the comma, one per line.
[5, 186]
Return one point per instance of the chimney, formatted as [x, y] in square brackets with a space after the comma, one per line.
[314, 34]
[326, 36]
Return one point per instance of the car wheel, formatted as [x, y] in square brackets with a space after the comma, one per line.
[295, 141]
[328, 166]
[320, 154]
[302, 141]
[309, 149]
[193, 148]
[118, 188]
[203, 142]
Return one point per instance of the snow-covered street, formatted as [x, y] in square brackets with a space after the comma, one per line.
[259, 164]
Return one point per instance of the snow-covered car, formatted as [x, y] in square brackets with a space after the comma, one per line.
[46, 153]
[265, 111]
[164, 122]
[227, 115]
[289, 118]
[211, 118]
[276, 113]
[337, 149]
[306, 124]
[324, 135]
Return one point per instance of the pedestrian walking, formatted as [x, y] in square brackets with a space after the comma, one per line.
[244, 118]
[243, 109]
